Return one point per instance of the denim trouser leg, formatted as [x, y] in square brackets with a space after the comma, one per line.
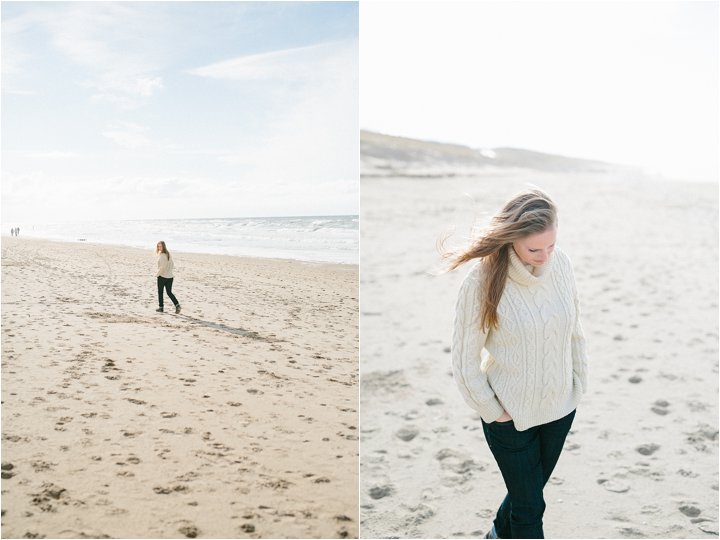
[160, 287]
[168, 289]
[526, 460]
[165, 284]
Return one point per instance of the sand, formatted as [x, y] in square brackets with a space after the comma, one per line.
[236, 418]
[642, 457]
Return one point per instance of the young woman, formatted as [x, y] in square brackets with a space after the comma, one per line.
[165, 276]
[519, 352]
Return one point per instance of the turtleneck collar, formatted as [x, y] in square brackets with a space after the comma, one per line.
[519, 272]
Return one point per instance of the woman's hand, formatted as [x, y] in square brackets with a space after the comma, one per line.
[504, 418]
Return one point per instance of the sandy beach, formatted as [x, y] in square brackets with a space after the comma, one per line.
[641, 460]
[236, 418]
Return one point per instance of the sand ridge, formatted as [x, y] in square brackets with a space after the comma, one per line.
[236, 418]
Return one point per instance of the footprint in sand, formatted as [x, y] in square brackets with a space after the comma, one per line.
[690, 510]
[613, 485]
[631, 532]
[650, 509]
[321, 480]
[570, 446]
[647, 449]
[699, 438]
[457, 467]
[406, 434]
[189, 531]
[660, 407]
[167, 490]
[49, 497]
[379, 492]
[697, 406]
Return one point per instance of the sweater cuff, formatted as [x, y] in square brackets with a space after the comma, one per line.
[490, 410]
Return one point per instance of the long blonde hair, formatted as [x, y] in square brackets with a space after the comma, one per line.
[529, 212]
[163, 249]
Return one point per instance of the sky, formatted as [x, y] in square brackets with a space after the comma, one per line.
[172, 110]
[627, 82]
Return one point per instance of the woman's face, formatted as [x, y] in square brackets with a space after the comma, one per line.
[158, 247]
[536, 248]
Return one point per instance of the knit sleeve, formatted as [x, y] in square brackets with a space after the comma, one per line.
[467, 345]
[579, 355]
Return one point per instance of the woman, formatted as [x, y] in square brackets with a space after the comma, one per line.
[165, 276]
[519, 352]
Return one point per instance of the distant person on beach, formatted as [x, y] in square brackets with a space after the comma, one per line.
[165, 276]
[518, 353]
[12, 231]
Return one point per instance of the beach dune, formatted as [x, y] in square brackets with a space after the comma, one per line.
[236, 418]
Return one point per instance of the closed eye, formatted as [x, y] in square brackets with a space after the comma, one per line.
[534, 250]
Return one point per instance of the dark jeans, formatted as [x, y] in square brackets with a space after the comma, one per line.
[526, 460]
[165, 283]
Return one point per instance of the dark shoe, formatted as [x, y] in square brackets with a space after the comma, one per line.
[160, 310]
[177, 308]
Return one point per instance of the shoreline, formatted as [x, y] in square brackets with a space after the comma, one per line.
[5, 237]
[332, 239]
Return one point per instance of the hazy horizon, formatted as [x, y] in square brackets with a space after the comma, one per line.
[10, 224]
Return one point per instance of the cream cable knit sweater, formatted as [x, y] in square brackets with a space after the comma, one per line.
[534, 365]
[165, 266]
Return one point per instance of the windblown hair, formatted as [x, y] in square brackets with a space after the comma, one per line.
[527, 213]
[163, 249]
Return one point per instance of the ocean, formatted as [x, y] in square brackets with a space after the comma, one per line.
[307, 238]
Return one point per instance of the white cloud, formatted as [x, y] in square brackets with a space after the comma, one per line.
[310, 147]
[295, 64]
[124, 90]
[128, 135]
[19, 91]
[109, 39]
[146, 86]
[54, 154]
[288, 148]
